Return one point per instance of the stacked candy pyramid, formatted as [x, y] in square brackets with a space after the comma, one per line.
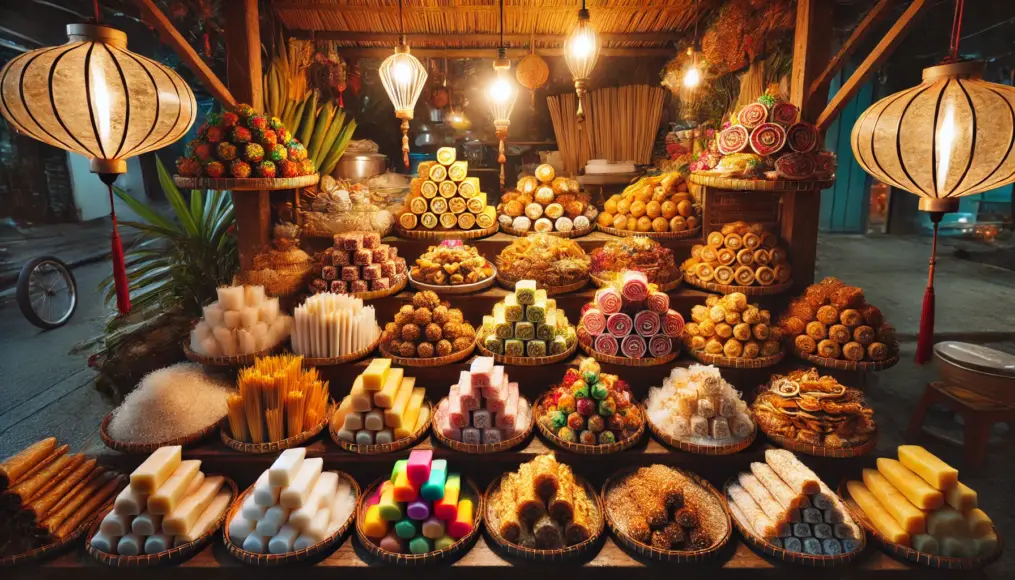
[484, 407]
[527, 323]
[630, 318]
[444, 197]
[383, 406]
[591, 407]
[358, 262]
[421, 508]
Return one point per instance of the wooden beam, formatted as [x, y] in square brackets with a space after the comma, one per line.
[512, 53]
[896, 34]
[849, 46]
[168, 34]
[331, 7]
[21, 36]
[492, 39]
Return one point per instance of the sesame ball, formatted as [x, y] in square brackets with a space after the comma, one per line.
[433, 301]
[407, 350]
[419, 300]
[455, 315]
[444, 348]
[433, 332]
[423, 316]
[440, 314]
[452, 330]
[411, 333]
[461, 343]
[425, 350]
[467, 331]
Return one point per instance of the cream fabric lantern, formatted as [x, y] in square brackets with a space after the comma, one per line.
[581, 50]
[403, 77]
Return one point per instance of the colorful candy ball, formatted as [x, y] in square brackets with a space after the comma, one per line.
[557, 420]
[586, 407]
[290, 168]
[297, 152]
[566, 403]
[615, 422]
[226, 151]
[202, 130]
[599, 391]
[229, 119]
[268, 139]
[567, 434]
[278, 153]
[257, 122]
[589, 365]
[597, 423]
[275, 123]
[188, 166]
[241, 135]
[570, 376]
[244, 110]
[214, 169]
[607, 437]
[204, 151]
[253, 152]
[266, 169]
[307, 167]
[284, 136]
[607, 407]
[213, 118]
[239, 169]
[587, 438]
[214, 135]
[576, 421]
[590, 377]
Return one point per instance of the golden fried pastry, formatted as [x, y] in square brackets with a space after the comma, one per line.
[733, 348]
[697, 343]
[717, 314]
[699, 313]
[877, 351]
[742, 331]
[723, 330]
[752, 241]
[706, 328]
[847, 297]
[744, 275]
[724, 275]
[752, 315]
[839, 333]
[851, 317]
[770, 347]
[762, 257]
[751, 348]
[766, 316]
[704, 272]
[853, 351]
[709, 254]
[733, 317]
[696, 251]
[872, 316]
[827, 315]
[691, 329]
[817, 330]
[712, 300]
[783, 273]
[886, 334]
[738, 300]
[713, 346]
[828, 348]
[805, 344]
[715, 239]
[726, 256]
[734, 241]
[760, 331]
[765, 276]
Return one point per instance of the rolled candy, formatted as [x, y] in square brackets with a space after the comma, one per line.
[672, 324]
[634, 286]
[606, 344]
[659, 346]
[646, 323]
[609, 300]
[633, 346]
[619, 324]
[658, 302]
[594, 321]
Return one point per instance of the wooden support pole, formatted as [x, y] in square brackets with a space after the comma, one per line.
[874, 60]
[243, 69]
[168, 34]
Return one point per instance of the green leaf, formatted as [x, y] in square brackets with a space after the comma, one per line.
[176, 199]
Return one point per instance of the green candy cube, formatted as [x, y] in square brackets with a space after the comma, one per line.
[535, 313]
[504, 330]
[525, 292]
[493, 344]
[544, 332]
[535, 348]
[525, 330]
[559, 345]
[513, 311]
[514, 347]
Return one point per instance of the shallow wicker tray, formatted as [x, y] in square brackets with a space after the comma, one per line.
[436, 361]
[484, 448]
[246, 183]
[571, 234]
[559, 555]
[436, 556]
[382, 448]
[457, 289]
[583, 449]
[509, 284]
[56, 548]
[792, 557]
[673, 556]
[273, 446]
[737, 363]
[255, 559]
[526, 361]
[174, 555]
[699, 449]
[646, 361]
[760, 184]
[438, 235]
[398, 286]
[752, 290]
[131, 448]
[340, 360]
[907, 554]
[229, 361]
[848, 365]
[664, 287]
[654, 235]
[822, 451]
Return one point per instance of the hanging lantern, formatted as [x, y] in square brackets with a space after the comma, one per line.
[94, 97]
[580, 52]
[403, 77]
[532, 73]
[501, 96]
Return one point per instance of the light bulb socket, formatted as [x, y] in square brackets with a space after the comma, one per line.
[97, 33]
[583, 14]
[501, 63]
[403, 45]
[939, 204]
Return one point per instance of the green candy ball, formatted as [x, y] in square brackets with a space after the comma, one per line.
[557, 420]
[567, 434]
[599, 391]
[607, 407]
[590, 377]
[607, 437]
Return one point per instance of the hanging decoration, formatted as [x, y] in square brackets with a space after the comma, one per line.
[532, 72]
[403, 77]
[951, 136]
[501, 96]
[581, 50]
[94, 97]
[692, 76]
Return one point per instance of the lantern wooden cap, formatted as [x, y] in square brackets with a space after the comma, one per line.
[964, 70]
[939, 204]
[97, 33]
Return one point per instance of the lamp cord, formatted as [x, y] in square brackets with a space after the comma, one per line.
[956, 31]
[401, 23]
[502, 23]
[96, 4]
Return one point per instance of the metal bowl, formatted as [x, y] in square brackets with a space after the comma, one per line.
[360, 166]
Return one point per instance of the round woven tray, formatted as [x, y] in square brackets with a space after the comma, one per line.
[382, 448]
[456, 289]
[632, 362]
[571, 234]
[229, 361]
[398, 286]
[132, 448]
[341, 360]
[484, 448]
[786, 556]
[664, 287]
[437, 361]
[734, 184]
[509, 284]
[526, 361]
[439, 235]
[654, 235]
[907, 554]
[56, 548]
[533, 555]
[730, 288]
[273, 446]
[246, 183]
[822, 451]
[673, 556]
[848, 365]
[255, 559]
[448, 554]
[581, 448]
[698, 448]
[737, 363]
[174, 555]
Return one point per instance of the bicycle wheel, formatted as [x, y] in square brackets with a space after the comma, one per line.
[47, 292]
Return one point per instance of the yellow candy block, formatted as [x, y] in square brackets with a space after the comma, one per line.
[961, 497]
[879, 517]
[910, 484]
[170, 493]
[978, 523]
[393, 416]
[376, 372]
[411, 414]
[908, 516]
[155, 470]
[946, 522]
[374, 527]
[385, 397]
[927, 544]
[362, 401]
[937, 473]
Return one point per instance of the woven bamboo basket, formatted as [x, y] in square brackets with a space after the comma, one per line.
[448, 554]
[733, 184]
[174, 555]
[382, 448]
[579, 550]
[230, 361]
[849, 365]
[361, 354]
[671, 556]
[440, 235]
[509, 284]
[632, 362]
[484, 448]
[737, 363]
[571, 234]
[267, 560]
[785, 556]
[54, 549]
[456, 289]
[273, 446]
[822, 451]
[526, 361]
[132, 448]
[437, 361]
[753, 290]
[581, 448]
[246, 183]
[683, 235]
[398, 286]
[907, 554]
[728, 448]
[664, 287]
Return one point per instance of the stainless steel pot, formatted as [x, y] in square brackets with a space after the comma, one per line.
[360, 166]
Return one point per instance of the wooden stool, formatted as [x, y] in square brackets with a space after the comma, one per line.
[979, 414]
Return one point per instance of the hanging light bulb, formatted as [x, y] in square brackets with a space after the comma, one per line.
[403, 77]
[692, 76]
[501, 96]
[580, 52]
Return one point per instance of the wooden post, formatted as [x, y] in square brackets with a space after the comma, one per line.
[243, 71]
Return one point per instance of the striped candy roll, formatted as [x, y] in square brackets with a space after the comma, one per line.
[673, 323]
[619, 324]
[646, 323]
[658, 302]
[594, 321]
[659, 345]
[606, 344]
[634, 286]
[633, 346]
[609, 300]
[584, 336]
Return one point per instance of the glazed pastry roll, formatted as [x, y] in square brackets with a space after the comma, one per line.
[544, 476]
[853, 351]
[805, 344]
[817, 330]
[509, 525]
[755, 517]
[864, 335]
[797, 476]
[560, 506]
[528, 505]
[877, 351]
[839, 333]
[549, 534]
[580, 527]
[763, 498]
[828, 348]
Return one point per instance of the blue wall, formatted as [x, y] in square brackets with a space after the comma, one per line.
[844, 206]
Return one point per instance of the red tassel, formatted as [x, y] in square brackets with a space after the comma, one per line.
[925, 341]
[120, 283]
[341, 100]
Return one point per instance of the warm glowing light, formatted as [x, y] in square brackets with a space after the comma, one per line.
[581, 46]
[402, 73]
[501, 90]
[946, 143]
[101, 102]
[692, 78]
